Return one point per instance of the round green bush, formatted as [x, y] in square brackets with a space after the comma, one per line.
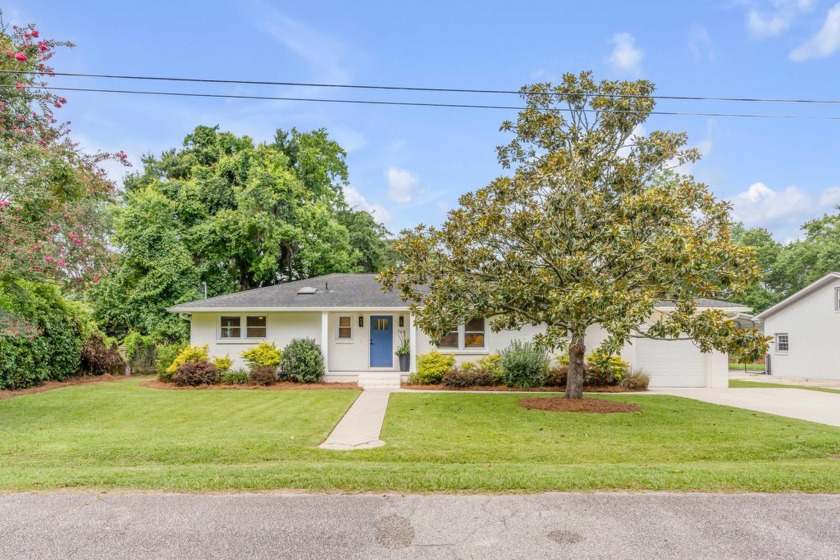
[302, 361]
[431, 368]
[524, 365]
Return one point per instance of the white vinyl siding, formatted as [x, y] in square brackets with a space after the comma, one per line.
[782, 343]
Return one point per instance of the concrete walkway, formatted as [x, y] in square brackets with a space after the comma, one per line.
[802, 404]
[360, 427]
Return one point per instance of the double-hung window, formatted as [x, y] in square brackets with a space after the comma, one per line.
[468, 336]
[345, 328]
[782, 342]
[231, 327]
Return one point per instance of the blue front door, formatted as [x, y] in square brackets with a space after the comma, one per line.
[381, 341]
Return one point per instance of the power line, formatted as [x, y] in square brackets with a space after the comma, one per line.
[422, 104]
[416, 88]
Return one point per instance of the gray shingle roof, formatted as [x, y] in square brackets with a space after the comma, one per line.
[345, 291]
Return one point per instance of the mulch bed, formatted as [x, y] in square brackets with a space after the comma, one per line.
[282, 386]
[603, 389]
[50, 385]
[561, 404]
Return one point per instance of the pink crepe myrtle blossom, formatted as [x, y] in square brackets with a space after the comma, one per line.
[20, 57]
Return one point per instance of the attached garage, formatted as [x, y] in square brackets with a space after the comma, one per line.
[672, 363]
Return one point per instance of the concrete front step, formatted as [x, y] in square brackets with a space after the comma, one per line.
[379, 380]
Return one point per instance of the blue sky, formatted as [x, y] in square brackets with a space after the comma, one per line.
[409, 165]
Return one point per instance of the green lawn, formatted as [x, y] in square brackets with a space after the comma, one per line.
[749, 367]
[739, 384]
[122, 435]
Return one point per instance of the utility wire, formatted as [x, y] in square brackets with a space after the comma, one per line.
[423, 104]
[419, 89]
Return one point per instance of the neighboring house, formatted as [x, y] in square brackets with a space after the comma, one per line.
[806, 331]
[359, 326]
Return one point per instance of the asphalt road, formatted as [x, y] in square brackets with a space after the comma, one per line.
[579, 526]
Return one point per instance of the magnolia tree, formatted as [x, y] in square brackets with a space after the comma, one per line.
[51, 193]
[588, 227]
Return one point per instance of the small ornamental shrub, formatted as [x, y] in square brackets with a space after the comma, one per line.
[302, 361]
[223, 364]
[606, 369]
[188, 354]
[100, 356]
[557, 376]
[165, 354]
[492, 363]
[196, 372]
[263, 375]
[140, 352]
[235, 377]
[432, 367]
[635, 381]
[524, 365]
[474, 377]
[263, 354]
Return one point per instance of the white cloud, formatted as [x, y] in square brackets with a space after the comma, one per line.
[700, 44]
[762, 24]
[626, 56]
[825, 43]
[357, 201]
[781, 212]
[401, 184]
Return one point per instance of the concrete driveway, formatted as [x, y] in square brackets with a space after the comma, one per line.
[580, 526]
[802, 404]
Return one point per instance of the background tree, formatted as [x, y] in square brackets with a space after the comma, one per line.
[234, 214]
[771, 256]
[589, 228]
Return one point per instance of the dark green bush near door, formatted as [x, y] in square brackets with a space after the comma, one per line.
[302, 361]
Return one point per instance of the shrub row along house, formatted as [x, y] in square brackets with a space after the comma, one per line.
[360, 329]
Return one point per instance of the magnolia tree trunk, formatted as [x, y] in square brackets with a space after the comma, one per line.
[574, 380]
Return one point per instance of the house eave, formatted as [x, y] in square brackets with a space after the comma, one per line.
[354, 309]
[804, 292]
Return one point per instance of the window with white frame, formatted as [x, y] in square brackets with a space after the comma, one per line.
[782, 342]
[230, 327]
[836, 299]
[345, 327]
[469, 336]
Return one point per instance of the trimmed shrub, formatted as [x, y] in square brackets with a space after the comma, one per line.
[140, 352]
[263, 354]
[557, 376]
[223, 364]
[302, 361]
[432, 367]
[263, 375]
[605, 369]
[635, 381]
[165, 354]
[235, 377]
[492, 363]
[41, 334]
[473, 377]
[196, 372]
[188, 354]
[524, 365]
[100, 356]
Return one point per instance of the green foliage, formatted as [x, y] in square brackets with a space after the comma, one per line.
[165, 354]
[41, 334]
[236, 215]
[302, 361]
[586, 226]
[460, 377]
[223, 363]
[635, 381]
[235, 377]
[609, 367]
[188, 354]
[140, 352]
[263, 375]
[493, 364]
[196, 372]
[524, 365]
[263, 354]
[404, 347]
[557, 376]
[432, 367]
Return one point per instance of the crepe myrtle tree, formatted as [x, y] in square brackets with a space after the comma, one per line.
[591, 225]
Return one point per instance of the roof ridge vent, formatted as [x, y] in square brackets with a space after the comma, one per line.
[306, 291]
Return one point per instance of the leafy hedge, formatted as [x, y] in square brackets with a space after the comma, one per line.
[41, 334]
[432, 367]
[302, 361]
[524, 365]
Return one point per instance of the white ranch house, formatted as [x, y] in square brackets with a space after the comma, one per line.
[805, 329]
[359, 326]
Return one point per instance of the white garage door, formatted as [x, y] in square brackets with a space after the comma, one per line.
[671, 363]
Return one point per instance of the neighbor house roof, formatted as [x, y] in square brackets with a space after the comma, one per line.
[339, 291]
[807, 290]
